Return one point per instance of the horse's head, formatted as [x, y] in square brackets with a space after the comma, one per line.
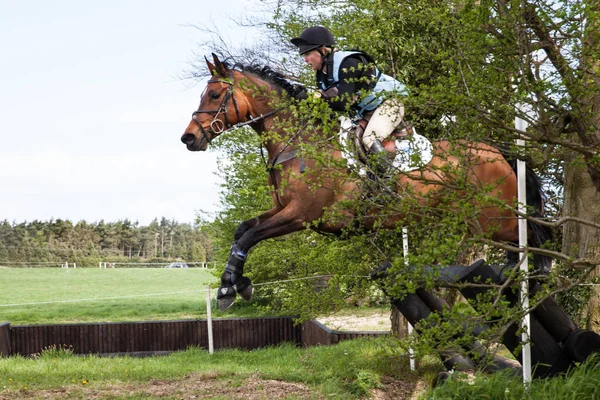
[221, 107]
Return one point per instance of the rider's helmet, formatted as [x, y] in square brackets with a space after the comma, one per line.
[313, 38]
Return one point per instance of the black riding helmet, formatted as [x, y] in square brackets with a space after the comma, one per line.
[313, 38]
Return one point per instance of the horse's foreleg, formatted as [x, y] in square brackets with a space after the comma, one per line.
[244, 226]
[268, 226]
[232, 280]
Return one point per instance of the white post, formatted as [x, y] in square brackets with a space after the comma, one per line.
[100, 264]
[411, 352]
[521, 125]
[209, 321]
[74, 265]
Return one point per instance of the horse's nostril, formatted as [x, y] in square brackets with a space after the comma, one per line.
[188, 138]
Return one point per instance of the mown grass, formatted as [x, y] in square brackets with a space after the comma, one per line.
[54, 295]
[348, 370]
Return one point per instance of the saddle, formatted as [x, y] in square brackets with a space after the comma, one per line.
[407, 150]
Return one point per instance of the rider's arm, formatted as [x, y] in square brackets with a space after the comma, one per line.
[350, 84]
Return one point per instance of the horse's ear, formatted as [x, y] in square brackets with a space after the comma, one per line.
[220, 67]
[211, 66]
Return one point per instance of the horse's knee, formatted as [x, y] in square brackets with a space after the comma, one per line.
[243, 227]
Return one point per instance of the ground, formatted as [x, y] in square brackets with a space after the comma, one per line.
[206, 386]
[202, 386]
[378, 320]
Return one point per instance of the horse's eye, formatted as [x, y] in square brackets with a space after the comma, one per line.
[214, 95]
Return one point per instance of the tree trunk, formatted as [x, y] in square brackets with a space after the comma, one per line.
[581, 189]
[399, 324]
[582, 200]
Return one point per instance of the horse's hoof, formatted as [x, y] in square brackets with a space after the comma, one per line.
[440, 379]
[225, 302]
[247, 292]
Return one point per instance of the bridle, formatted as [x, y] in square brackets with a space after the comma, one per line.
[217, 126]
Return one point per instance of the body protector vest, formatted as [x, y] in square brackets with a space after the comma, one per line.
[384, 83]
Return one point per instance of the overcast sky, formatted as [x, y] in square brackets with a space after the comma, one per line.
[92, 109]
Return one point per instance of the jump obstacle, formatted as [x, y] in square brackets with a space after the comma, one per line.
[557, 344]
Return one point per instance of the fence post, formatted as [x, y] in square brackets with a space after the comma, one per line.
[411, 352]
[521, 126]
[209, 320]
[4, 339]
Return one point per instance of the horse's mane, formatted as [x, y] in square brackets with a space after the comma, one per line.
[270, 75]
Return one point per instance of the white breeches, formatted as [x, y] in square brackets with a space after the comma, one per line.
[383, 122]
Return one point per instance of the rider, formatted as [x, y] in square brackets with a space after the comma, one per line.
[342, 76]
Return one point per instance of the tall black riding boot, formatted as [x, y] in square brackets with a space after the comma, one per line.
[380, 160]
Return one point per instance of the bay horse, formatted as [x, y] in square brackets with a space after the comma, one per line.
[241, 95]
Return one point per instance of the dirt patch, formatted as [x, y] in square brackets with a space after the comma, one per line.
[377, 321]
[393, 389]
[194, 386]
[202, 386]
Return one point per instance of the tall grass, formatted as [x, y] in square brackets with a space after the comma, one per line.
[581, 383]
[54, 295]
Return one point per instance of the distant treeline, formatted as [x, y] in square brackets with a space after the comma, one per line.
[89, 243]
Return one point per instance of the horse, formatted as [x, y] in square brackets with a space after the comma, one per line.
[240, 95]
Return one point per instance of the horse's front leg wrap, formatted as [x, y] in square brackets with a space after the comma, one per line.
[233, 281]
[234, 272]
[235, 267]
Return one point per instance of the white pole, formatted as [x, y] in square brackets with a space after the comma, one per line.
[209, 321]
[411, 352]
[521, 125]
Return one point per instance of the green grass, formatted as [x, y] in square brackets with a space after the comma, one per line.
[581, 383]
[54, 295]
[348, 370]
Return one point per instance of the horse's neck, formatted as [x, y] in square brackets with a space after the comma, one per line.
[277, 139]
[276, 143]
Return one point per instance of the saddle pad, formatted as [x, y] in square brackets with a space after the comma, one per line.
[412, 153]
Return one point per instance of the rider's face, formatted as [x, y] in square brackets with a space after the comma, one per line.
[313, 58]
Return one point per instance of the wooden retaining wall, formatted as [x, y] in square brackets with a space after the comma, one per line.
[166, 336]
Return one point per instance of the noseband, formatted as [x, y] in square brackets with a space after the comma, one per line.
[217, 126]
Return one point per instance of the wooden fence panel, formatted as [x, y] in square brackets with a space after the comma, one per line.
[315, 333]
[164, 336]
[342, 335]
[4, 339]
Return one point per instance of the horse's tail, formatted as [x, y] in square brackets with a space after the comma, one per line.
[535, 199]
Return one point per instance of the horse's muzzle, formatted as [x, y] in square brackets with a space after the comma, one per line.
[192, 143]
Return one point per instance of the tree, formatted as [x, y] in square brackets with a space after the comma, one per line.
[472, 67]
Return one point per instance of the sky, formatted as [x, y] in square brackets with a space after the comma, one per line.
[93, 105]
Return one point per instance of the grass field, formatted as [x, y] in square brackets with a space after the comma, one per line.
[54, 295]
[350, 370]
[347, 371]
